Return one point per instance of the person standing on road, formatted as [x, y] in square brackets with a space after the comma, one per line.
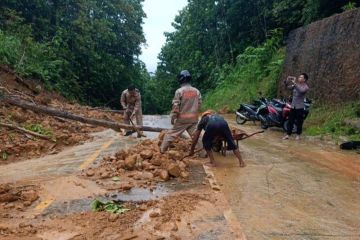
[131, 103]
[185, 110]
[299, 89]
[214, 126]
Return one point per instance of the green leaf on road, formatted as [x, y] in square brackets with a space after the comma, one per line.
[109, 206]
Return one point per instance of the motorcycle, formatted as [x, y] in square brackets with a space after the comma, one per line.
[249, 112]
[276, 114]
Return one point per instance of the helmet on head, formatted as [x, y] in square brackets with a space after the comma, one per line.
[184, 76]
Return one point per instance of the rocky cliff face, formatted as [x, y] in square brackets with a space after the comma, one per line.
[329, 52]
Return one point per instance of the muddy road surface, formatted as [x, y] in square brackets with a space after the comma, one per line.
[292, 189]
[289, 190]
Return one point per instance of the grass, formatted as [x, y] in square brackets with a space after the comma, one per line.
[329, 120]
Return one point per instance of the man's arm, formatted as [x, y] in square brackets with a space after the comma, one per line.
[200, 100]
[138, 102]
[175, 106]
[195, 139]
[302, 89]
[123, 100]
[291, 85]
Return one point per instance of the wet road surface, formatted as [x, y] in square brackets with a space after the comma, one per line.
[291, 189]
[75, 158]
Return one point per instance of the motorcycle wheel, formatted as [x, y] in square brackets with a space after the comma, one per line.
[240, 120]
[264, 125]
[286, 126]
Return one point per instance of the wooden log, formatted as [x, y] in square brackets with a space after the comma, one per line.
[23, 130]
[62, 114]
[106, 110]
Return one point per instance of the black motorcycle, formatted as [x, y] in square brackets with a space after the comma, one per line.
[249, 112]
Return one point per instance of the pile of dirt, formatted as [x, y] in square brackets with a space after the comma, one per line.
[160, 219]
[144, 165]
[18, 146]
[17, 197]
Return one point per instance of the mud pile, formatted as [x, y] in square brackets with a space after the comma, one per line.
[160, 219]
[144, 164]
[17, 197]
[18, 146]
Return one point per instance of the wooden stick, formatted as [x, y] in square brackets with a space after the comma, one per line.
[23, 130]
[106, 110]
[251, 135]
[136, 129]
[186, 156]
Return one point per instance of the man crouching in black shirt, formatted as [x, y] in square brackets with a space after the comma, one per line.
[214, 126]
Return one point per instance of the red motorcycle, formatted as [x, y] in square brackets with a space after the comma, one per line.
[276, 114]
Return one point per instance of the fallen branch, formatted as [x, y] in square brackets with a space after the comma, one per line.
[23, 130]
[106, 110]
[62, 114]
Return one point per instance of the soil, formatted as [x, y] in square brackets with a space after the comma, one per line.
[17, 197]
[172, 217]
[15, 146]
[142, 165]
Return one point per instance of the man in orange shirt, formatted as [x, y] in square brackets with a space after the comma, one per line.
[185, 110]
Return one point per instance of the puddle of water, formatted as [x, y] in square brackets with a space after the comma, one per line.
[141, 194]
[197, 175]
[82, 205]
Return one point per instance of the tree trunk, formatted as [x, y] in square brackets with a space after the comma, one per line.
[62, 114]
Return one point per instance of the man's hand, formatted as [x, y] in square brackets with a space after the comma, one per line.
[132, 115]
[191, 152]
[173, 120]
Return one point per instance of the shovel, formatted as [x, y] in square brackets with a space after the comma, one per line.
[139, 134]
[186, 156]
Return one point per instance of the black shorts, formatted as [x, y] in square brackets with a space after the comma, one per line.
[219, 129]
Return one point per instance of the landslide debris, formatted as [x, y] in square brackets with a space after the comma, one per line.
[17, 197]
[16, 146]
[143, 165]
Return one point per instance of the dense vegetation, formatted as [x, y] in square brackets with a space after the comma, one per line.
[85, 49]
[88, 49]
[232, 47]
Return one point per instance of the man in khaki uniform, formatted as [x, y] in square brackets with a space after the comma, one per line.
[131, 103]
[185, 110]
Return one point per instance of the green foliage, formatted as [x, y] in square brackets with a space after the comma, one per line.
[109, 206]
[329, 120]
[9, 49]
[4, 156]
[85, 49]
[215, 40]
[257, 69]
[38, 128]
[349, 6]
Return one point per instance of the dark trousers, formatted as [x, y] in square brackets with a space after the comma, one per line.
[218, 129]
[296, 116]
